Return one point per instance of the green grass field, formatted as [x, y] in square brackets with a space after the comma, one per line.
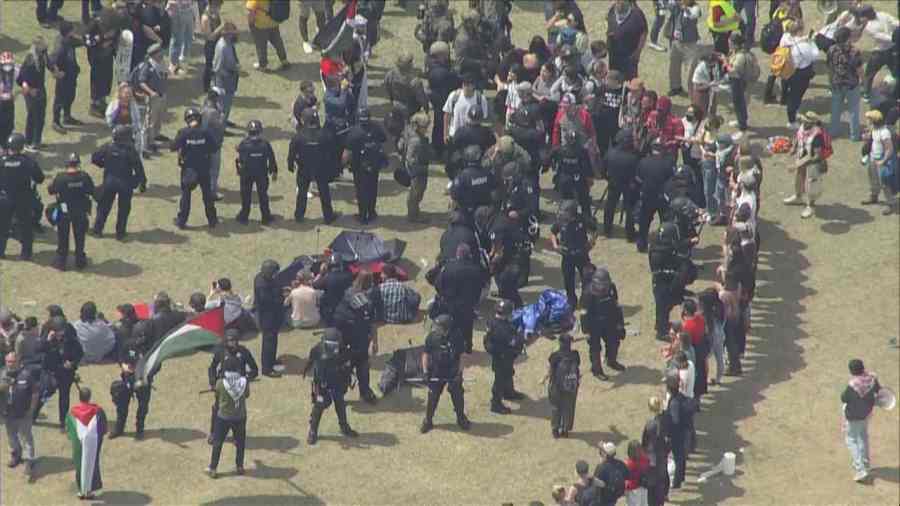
[828, 291]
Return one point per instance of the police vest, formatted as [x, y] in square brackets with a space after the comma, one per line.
[569, 165]
[254, 156]
[572, 238]
[728, 11]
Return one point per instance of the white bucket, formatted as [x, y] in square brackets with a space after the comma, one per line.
[728, 463]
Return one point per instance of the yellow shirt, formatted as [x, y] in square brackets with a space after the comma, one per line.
[262, 20]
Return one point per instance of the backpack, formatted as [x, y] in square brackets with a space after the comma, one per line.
[751, 68]
[782, 63]
[280, 10]
[827, 149]
[590, 495]
[771, 36]
[615, 483]
[567, 375]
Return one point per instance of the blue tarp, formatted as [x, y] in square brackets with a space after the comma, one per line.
[551, 310]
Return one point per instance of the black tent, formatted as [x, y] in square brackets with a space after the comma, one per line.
[365, 247]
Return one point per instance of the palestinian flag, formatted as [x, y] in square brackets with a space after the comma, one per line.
[86, 425]
[337, 35]
[203, 330]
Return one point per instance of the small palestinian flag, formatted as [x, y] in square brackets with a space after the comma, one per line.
[337, 35]
[86, 425]
[203, 330]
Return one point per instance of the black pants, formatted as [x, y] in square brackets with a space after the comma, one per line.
[209, 52]
[595, 347]
[64, 97]
[37, 114]
[78, 223]
[64, 380]
[324, 198]
[463, 323]
[570, 264]
[739, 101]
[7, 120]
[89, 7]
[143, 399]
[104, 206]
[48, 14]
[562, 410]
[720, 42]
[269, 348]
[101, 76]
[504, 371]
[262, 38]
[613, 195]
[25, 232]
[507, 281]
[303, 22]
[437, 131]
[649, 206]
[679, 454]
[359, 363]
[796, 88]
[735, 341]
[457, 397]
[262, 192]
[184, 205]
[658, 22]
[366, 181]
[238, 429]
[578, 191]
[770, 90]
[664, 300]
[322, 398]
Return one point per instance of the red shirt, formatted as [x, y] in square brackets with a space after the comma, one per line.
[330, 67]
[636, 470]
[672, 127]
[696, 327]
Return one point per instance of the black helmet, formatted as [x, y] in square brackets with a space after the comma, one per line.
[510, 170]
[568, 209]
[310, 117]
[269, 268]
[472, 154]
[363, 116]
[16, 142]
[254, 127]
[600, 282]
[73, 159]
[122, 133]
[331, 343]
[442, 324]
[505, 308]
[192, 114]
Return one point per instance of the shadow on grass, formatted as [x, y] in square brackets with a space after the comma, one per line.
[272, 443]
[595, 438]
[50, 465]
[839, 218]
[365, 440]
[266, 500]
[158, 236]
[177, 436]
[122, 497]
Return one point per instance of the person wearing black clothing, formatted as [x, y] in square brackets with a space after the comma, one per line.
[442, 80]
[195, 145]
[573, 173]
[474, 186]
[653, 172]
[331, 377]
[604, 106]
[48, 14]
[569, 236]
[64, 65]
[305, 100]
[164, 318]
[123, 171]
[613, 473]
[859, 398]
[442, 368]
[20, 403]
[503, 343]
[621, 164]
[364, 149]
[460, 231]
[603, 321]
[680, 411]
[665, 263]
[101, 40]
[62, 353]
[510, 256]
[476, 132]
[655, 441]
[562, 391]
[74, 189]
[230, 349]
[269, 307]
[17, 173]
[32, 78]
[520, 196]
[312, 155]
[255, 162]
[90, 8]
[459, 286]
[334, 282]
[354, 317]
[127, 386]
[626, 34]
[527, 129]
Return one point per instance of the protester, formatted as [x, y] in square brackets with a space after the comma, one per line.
[86, 425]
[211, 28]
[684, 37]
[265, 31]
[810, 165]
[21, 405]
[882, 163]
[232, 392]
[845, 63]
[303, 300]
[858, 400]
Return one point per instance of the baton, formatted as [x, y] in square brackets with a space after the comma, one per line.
[208, 390]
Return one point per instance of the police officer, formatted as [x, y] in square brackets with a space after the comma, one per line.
[123, 171]
[620, 164]
[510, 256]
[312, 155]
[442, 80]
[520, 196]
[505, 151]
[74, 189]
[269, 309]
[527, 129]
[473, 53]
[127, 386]
[195, 146]
[503, 343]
[405, 91]
[17, 173]
[416, 154]
[602, 321]
[664, 266]
[476, 132]
[441, 364]
[474, 186]
[231, 348]
[573, 172]
[62, 353]
[364, 151]
[354, 317]
[653, 172]
[459, 286]
[331, 376]
[254, 163]
[435, 24]
[570, 238]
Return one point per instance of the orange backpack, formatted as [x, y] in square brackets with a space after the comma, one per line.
[782, 64]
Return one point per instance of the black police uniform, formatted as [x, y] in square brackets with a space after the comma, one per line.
[572, 165]
[365, 142]
[522, 195]
[563, 394]
[664, 264]
[621, 167]
[123, 171]
[122, 390]
[458, 233]
[473, 187]
[471, 134]
[195, 145]
[74, 191]
[444, 370]
[216, 370]
[255, 162]
[574, 248]
[514, 261]
[526, 129]
[269, 304]
[354, 318]
[331, 377]
[603, 322]
[17, 173]
[459, 287]
[503, 343]
[333, 284]
[442, 80]
[56, 353]
[312, 154]
[653, 171]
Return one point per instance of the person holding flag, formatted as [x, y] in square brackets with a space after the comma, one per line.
[86, 426]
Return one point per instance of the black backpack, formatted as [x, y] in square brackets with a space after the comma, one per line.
[280, 10]
[770, 36]
[615, 483]
[567, 374]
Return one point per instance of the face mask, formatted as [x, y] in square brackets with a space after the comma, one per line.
[690, 117]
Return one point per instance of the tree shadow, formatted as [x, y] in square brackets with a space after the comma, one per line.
[595, 438]
[117, 497]
[840, 218]
[365, 440]
[177, 436]
[266, 500]
[891, 474]
[114, 268]
[158, 236]
[51, 464]
[636, 375]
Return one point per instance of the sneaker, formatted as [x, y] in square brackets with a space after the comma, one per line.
[733, 123]
[72, 121]
[426, 427]
[307, 48]
[656, 47]
[860, 476]
[212, 473]
[793, 199]
[807, 212]
[463, 423]
[348, 432]
[794, 125]
[259, 66]
[30, 149]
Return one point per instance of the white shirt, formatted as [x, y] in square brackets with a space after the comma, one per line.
[233, 306]
[686, 380]
[803, 52]
[880, 137]
[845, 19]
[457, 106]
[881, 29]
[304, 302]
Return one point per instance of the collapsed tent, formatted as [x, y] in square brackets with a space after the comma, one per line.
[550, 315]
[404, 367]
[365, 247]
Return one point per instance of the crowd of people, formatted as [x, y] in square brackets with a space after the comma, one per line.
[497, 117]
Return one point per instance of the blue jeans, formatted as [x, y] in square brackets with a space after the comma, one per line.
[857, 439]
[710, 181]
[182, 36]
[842, 100]
[748, 26]
[721, 188]
[227, 100]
